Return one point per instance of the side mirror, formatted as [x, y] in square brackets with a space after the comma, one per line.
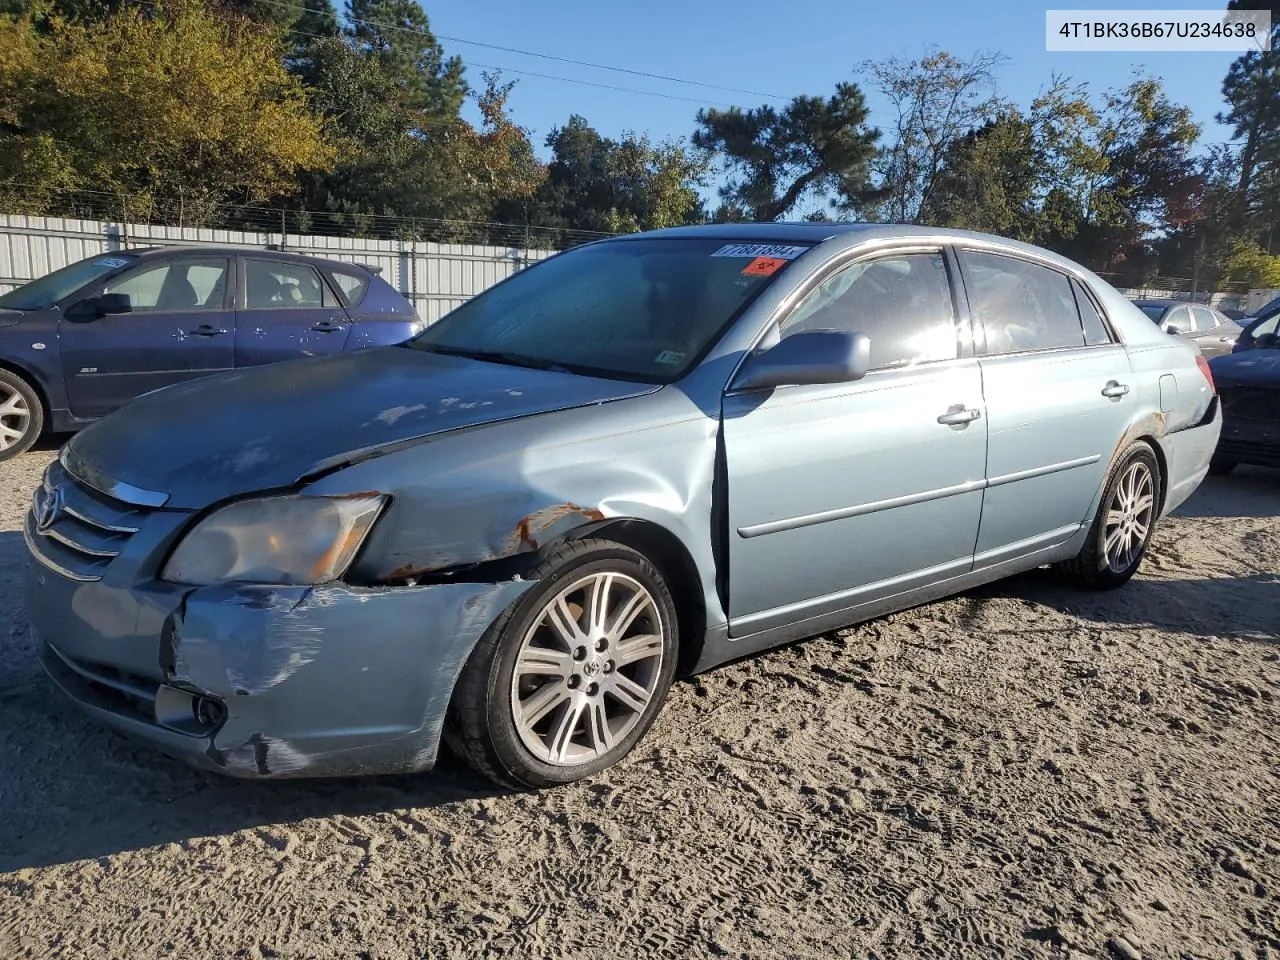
[1172, 328]
[91, 308]
[816, 356]
[115, 303]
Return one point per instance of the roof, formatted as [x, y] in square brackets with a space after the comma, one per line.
[804, 232]
[222, 250]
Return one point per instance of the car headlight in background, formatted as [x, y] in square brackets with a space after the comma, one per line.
[291, 540]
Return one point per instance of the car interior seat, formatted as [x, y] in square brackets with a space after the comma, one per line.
[177, 293]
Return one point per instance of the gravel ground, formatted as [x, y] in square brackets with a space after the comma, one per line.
[1022, 771]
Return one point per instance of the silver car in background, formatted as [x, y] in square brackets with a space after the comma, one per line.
[655, 453]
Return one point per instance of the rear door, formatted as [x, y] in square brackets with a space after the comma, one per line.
[1214, 333]
[1059, 395]
[179, 328]
[286, 310]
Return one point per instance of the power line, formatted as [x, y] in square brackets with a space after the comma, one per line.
[546, 56]
[483, 66]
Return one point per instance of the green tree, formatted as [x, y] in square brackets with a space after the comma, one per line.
[109, 106]
[615, 186]
[813, 149]
[937, 101]
[399, 35]
[988, 181]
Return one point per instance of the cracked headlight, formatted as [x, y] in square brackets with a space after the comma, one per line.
[293, 540]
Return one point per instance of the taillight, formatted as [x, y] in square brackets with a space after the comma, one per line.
[1203, 364]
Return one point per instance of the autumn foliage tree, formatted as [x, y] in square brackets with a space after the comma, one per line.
[170, 101]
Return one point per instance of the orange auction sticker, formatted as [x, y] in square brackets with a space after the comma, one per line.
[763, 266]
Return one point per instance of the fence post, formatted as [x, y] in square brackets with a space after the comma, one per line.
[282, 229]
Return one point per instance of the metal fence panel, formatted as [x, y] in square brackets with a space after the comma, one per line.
[434, 277]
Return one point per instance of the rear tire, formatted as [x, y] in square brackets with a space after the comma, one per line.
[21, 415]
[571, 676]
[1123, 525]
[1221, 466]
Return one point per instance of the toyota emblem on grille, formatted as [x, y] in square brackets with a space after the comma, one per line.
[48, 508]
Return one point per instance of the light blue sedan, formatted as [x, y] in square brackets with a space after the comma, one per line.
[647, 455]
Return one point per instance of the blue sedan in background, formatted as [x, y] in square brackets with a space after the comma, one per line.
[82, 341]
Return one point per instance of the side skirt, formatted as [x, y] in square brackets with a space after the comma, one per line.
[718, 648]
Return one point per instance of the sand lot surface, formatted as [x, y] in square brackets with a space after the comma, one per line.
[1026, 770]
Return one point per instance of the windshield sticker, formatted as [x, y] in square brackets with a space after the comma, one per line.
[111, 262]
[669, 356]
[778, 250]
[763, 267]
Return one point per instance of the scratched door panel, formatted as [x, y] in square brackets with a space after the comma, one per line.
[286, 312]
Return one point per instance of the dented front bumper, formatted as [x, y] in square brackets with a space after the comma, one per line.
[260, 681]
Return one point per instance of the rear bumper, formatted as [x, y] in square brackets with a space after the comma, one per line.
[265, 682]
[1187, 454]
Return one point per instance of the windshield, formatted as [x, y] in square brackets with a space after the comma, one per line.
[1270, 310]
[635, 309]
[52, 287]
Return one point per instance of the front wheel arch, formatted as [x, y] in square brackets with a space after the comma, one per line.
[666, 552]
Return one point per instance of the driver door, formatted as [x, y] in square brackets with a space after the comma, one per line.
[844, 493]
[179, 327]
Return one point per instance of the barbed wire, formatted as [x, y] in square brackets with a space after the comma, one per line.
[197, 211]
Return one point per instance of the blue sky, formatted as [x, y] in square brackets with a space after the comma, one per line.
[779, 48]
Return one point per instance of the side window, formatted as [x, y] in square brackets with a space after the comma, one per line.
[1095, 328]
[276, 285]
[1203, 319]
[353, 285]
[1180, 318]
[1022, 306]
[902, 303]
[197, 284]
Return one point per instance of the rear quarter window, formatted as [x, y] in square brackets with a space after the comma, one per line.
[352, 284]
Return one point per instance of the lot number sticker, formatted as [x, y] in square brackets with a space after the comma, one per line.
[776, 250]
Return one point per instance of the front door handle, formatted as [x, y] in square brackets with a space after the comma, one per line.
[207, 330]
[327, 326]
[958, 416]
[1115, 390]
[1226, 339]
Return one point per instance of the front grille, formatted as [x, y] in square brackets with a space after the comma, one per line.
[1251, 404]
[77, 531]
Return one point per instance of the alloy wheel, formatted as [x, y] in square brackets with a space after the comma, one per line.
[15, 417]
[587, 669]
[1129, 516]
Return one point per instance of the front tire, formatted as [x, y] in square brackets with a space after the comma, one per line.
[21, 415]
[572, 675]
[1124, 524]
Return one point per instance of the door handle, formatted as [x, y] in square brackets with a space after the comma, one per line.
[1226, 339]
[206, 330]
[327, 326]
[1115, 390]
[958, 416]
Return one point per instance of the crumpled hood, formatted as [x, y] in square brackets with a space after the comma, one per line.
[1253, 367]
[267, 427]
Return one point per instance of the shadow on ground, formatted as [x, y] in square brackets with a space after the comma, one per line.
[1245, 492]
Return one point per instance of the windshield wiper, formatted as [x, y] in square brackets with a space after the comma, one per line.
[500, 356]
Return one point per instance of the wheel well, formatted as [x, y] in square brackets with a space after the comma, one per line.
[30, 381]
[669, 555]
[1164, 469]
